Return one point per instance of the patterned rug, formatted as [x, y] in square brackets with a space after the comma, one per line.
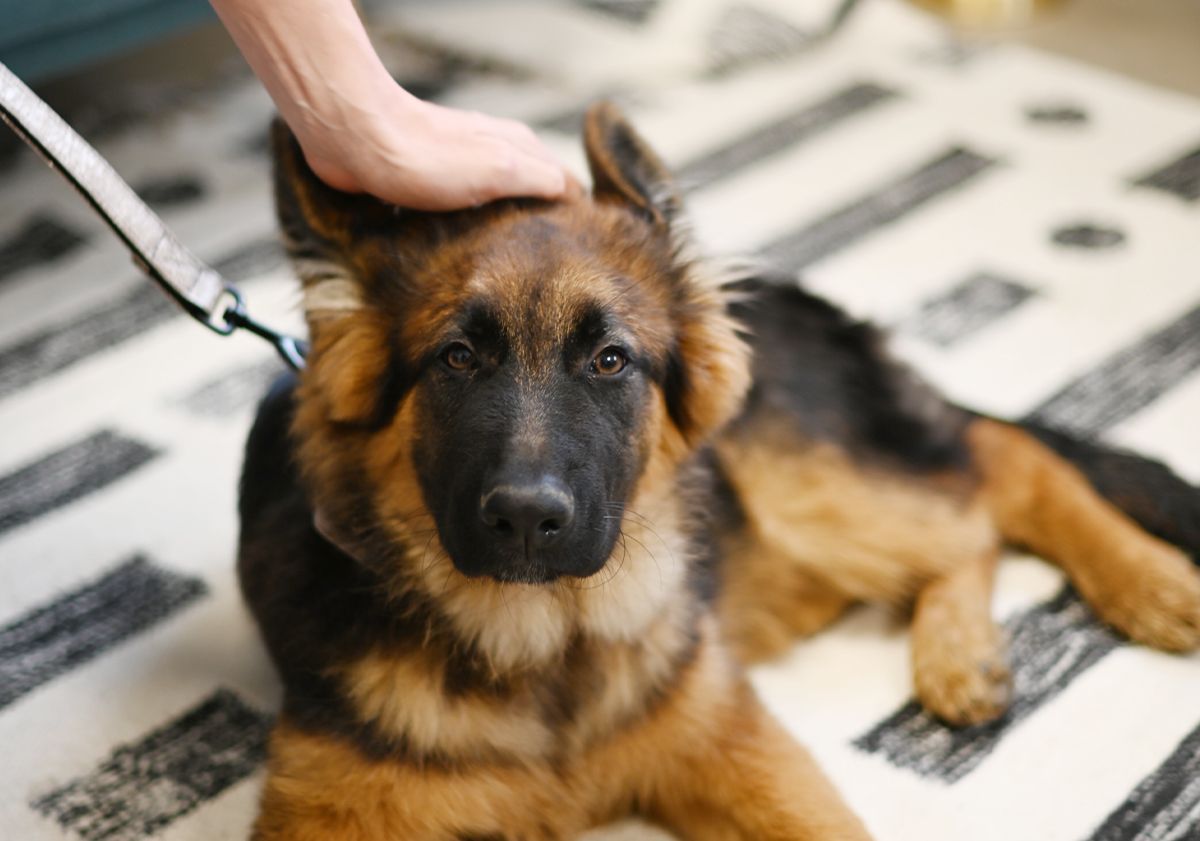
[1029, 227]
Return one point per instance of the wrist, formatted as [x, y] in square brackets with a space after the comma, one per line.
[349, 121]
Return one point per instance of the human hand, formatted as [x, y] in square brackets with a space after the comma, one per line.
[424, 156]
[362, 132]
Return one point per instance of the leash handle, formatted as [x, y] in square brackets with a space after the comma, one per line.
[198, 288]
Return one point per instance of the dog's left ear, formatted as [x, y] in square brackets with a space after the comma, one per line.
[708, 370]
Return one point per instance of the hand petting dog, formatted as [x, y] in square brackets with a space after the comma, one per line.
[363, 133]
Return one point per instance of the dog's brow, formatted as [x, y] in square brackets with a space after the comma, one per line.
[594, 325]
[481, 322]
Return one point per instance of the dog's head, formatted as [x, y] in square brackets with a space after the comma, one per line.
[505, 380]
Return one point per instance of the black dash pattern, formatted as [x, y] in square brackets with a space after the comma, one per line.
[1127, 381]
[631, 11]
[1057, 114]
[171, 191]
[40, 240]
[1088, 235]
[746, 35]
[1165, 805]
[1180, 177]
[145, 786]
[976, 302]
[79, 626]
[1050, 645]
[945, 172]
[232, 391]
[794, 127]
[72, 340]
[65, 475]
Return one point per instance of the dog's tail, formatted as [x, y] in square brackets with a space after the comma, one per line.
[1147, 491]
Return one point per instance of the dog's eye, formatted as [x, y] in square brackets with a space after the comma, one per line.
[609, 362]
[458, 356]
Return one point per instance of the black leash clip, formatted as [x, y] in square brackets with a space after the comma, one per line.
[290, 349]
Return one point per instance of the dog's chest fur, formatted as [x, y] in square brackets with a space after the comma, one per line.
[439, 708]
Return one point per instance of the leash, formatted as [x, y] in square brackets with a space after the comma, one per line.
[198, 288]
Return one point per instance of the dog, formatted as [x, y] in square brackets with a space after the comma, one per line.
[550, 480]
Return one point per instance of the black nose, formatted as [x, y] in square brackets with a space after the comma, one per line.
[533, 514]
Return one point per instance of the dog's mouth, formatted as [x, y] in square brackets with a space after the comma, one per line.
[530, 574]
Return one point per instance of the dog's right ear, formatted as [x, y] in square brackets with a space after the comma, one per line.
[324, 230]
[625, 170]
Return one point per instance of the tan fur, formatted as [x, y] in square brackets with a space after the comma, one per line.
[770, 601]
[1144, 587]
[825, 531]
[330, 295]
[707, 750]
[404, 697]
[587, 699]
[959, 666]
[867, 533]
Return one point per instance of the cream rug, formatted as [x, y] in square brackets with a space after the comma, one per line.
[1031, 229]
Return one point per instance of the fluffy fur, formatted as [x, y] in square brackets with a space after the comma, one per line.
[756, 465]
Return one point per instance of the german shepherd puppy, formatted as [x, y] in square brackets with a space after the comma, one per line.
[546, 484]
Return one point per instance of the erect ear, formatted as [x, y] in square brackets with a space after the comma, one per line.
[708, 370]
[624, 168]
[351, 363]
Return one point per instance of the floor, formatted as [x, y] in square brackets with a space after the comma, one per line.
[1026, 224]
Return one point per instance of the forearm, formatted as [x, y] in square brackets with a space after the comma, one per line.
[360, 131]
[315, 59]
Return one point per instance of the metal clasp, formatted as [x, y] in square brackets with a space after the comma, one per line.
[292, 350]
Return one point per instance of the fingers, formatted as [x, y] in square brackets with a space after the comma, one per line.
[512, 172]
[574, 190]
[524, 138]
[522, 164]
[463, 159]
[428, 157]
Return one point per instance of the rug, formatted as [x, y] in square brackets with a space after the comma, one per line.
[1029, 228]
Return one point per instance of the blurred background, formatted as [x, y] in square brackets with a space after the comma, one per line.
[75, 51]
[80, 54]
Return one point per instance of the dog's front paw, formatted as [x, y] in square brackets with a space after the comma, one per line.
[1153, 597]
[962, 684]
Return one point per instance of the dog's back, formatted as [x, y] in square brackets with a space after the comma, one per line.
[858, 482]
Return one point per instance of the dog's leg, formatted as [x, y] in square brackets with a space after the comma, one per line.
[959, 665]
[751, 781]
[711, 764]
[767, 601]
[320, 787]
[1144, 587]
